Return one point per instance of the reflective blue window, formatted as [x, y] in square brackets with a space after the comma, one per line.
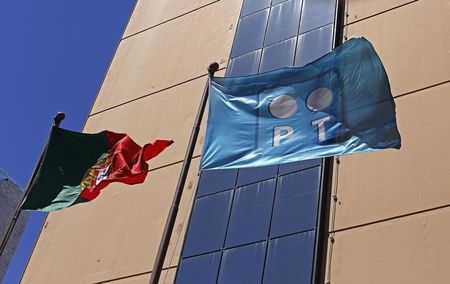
[283, 21]
[208, 224]
[317, 13]
[289, 259]
[313, 45]
[250, 33]
[250, 216]
[296, 166]
[295, 205]
[246, 64]
[252, 6]
[275, 2]
[199, 269]
[278, 55]
[243, 265]
[216, 180]
[251, 175]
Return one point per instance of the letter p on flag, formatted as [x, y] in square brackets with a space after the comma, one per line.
[281, 133]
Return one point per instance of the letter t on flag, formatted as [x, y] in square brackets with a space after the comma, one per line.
[339, 104]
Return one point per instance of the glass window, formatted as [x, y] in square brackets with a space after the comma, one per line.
[278, 55]
[208, 224]
[243, 265]
[275, 2]
[251, 175]
[212, 181]
[252, 6]
[250, 33]
[200, 269]
[289, 259]
[313, 45]
[283, 21]
[250, 216]
[243, 65]
[317, 13]
[295, 205]
[301, 165]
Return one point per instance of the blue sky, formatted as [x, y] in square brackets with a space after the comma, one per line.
[53, 57]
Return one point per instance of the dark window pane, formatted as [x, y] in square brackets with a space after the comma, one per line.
[250, 33]
[200, 269]
[317, 13]
[212, 181]
[278, 55]
[289, 259]
[251, 6]
[242, 265]
[283, 21]
[208, 224]
[295, 207]
[250, 216]
[313, 45]
[301, 165]
[251, 175]
[243, 65]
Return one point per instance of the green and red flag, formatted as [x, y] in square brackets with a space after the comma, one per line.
[77, 166]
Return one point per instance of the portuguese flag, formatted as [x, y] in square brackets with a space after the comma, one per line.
[75, 167]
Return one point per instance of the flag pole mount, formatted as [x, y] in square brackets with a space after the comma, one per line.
[165, 239]
[58, 118]
[56, 122]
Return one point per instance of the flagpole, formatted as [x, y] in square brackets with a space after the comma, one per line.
[164, 244]
[56, 122]
[326, 182]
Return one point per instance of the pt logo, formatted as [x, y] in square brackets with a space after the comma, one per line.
[285, 106]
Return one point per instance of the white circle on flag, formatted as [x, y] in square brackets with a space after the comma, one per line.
[283, 106]
[319, 99]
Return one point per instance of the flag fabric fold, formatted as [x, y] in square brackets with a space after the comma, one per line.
[77, 166]
[339, 104]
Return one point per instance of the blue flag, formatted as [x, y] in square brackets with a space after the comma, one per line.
[339, 104]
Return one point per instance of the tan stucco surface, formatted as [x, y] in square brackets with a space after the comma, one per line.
[169, 54]
[379, 185]
[149, 121]
[389, 220]
[413, 42]
[147, 14]
[413, 249]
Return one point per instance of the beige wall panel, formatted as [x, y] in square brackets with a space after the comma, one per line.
[379, 185]
[168, 54]
[114, 236]
[360, 9]
[150, 13]
[140, 279]
[410, 250]
[167, 277]
[413, 42]
[169, 114]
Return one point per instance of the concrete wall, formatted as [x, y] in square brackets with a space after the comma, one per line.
[390, 220]
[10, 196]
[152, 90]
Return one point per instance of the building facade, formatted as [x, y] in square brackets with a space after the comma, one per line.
[10, 196]
[385, 212]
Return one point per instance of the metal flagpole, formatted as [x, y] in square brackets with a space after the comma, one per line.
[56, 121]
[164, 244]
[320, 247]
